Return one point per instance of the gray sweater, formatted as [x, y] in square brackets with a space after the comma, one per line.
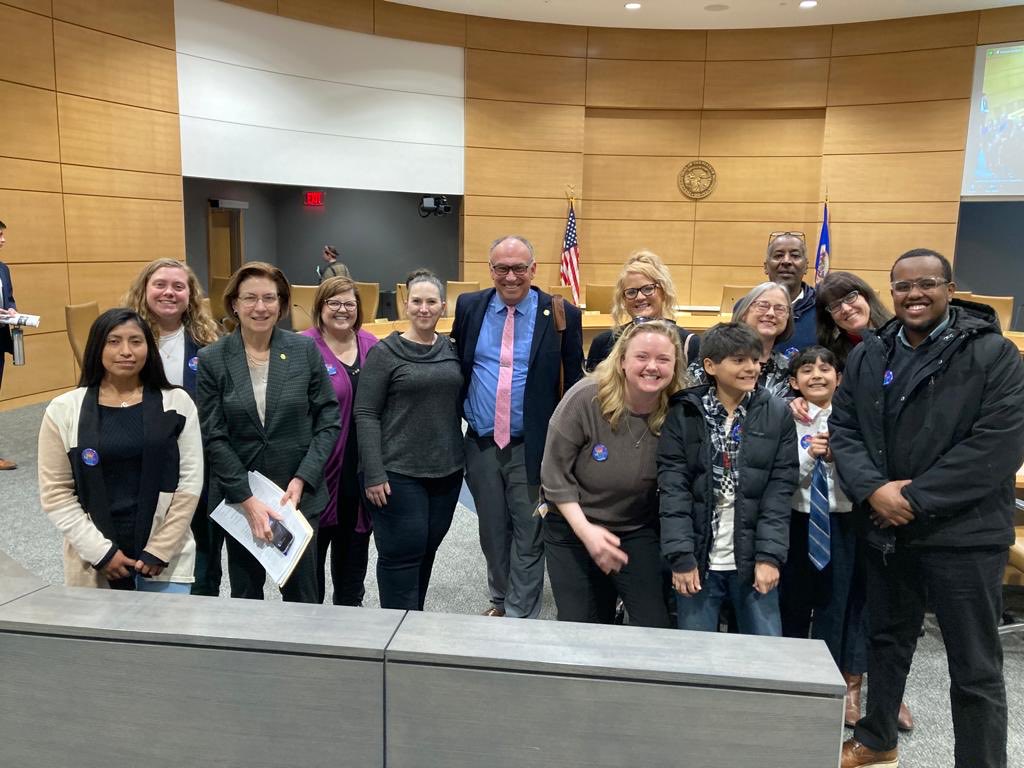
[407, 410]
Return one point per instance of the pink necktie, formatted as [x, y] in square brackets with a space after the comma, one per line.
[503, 399]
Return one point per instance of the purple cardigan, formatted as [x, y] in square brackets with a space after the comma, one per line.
[343, 391]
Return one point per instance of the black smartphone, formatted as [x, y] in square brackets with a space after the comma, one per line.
[283, 538]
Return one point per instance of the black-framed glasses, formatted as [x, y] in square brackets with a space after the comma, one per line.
[646, 290]
[516, 269]
[848, 299]
[336, 304]
[924, 283]
[640, 320]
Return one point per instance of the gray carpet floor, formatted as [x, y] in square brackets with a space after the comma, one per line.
[459, 586]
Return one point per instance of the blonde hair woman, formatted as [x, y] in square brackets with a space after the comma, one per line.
[644, 290]
[600, 480]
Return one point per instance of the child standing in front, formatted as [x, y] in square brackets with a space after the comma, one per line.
[727, 470]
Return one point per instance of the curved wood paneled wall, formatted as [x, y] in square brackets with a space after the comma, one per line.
[90, 181]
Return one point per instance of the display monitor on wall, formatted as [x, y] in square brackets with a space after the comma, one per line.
[994, 162]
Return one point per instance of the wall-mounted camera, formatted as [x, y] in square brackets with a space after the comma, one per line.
[434, 205]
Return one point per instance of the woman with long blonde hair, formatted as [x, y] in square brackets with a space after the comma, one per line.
[644, 291]
[599, 478]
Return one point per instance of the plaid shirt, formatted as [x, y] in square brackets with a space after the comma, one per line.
[725, 448]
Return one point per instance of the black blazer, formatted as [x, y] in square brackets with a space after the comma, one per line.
[548, 356]
[301, 411]
[6, 346]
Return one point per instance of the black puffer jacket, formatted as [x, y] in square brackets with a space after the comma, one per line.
[768, 475]
[958, 436]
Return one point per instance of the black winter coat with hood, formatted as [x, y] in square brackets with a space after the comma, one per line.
[957, 434]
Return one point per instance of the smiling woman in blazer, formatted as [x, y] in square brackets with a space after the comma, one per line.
[266, 405]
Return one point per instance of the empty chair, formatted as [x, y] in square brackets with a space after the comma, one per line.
[1003, 305]
[456, 288]
[731, 294]
[565, 291]
[369, 296]
[401, 298]
[302, 306]
[80, 318]
[600, 298]
[217, 287]
[965, 295]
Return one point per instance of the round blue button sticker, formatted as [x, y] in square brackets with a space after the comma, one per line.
[887, 379]
[600, 452]
[90, 457]
[193, 364]
[737, 432]
[791, 352]
[805, 441]
[331, 370]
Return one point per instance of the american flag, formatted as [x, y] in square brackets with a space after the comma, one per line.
[570, 270]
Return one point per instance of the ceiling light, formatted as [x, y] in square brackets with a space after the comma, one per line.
[808, 3]
[632, 6]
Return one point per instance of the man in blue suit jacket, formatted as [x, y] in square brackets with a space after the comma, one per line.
[6, 308]
[544, 361]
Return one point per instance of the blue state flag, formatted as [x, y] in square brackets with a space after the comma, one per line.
[824, 249]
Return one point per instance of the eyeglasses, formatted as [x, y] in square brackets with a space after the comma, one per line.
[646, 290]
[503, 269]
[269, 300]
[776, 235]
[336, 304]
[641, 320]
[763, 306]
[924, 283]
[846, 300]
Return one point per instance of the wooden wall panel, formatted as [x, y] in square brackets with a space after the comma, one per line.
[876, 246]
[356, 15]
[87, 180]
[639, 211]
[102, 282]
[42, 289]
[45, 7]
[421, 24]
[766, 84]
[525, 37]
[764, 133]
[521, 125]
[917, 127]
[123, 229]
[645, 84]
[641, 132]
[925, 213]
[514, 173]
[709, 210]
[28, 129]
[612, 177]
[521, 77]
[1001, 25]
[26, 55]
[611, 241]
[780, 43]
[148, 21]
[49, 365]
[35, 227]
[111, 68]
[480, 231]
[647, 44]
[116, 136]
[519, 207]
[920, 32]
[741, 244]
[922, 177]
[896, 77]
[29, 175]
[766, 179]
[707, 281]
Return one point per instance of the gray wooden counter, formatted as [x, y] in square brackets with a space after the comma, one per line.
[472, 691]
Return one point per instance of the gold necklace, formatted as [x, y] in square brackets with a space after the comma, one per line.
[636, 443]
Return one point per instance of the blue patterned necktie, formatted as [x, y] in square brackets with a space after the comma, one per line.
[819, 529]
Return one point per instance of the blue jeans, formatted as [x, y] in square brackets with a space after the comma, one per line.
[756, 614]
[142, 584]
[408, 530]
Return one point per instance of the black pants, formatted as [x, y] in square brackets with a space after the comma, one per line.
[209, 542]
[583, 593]
[248, 577]
[964, 588]
[349, 555]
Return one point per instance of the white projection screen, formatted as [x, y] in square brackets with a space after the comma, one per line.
[994, 161]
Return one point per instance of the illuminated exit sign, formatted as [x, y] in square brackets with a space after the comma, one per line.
[315, 198]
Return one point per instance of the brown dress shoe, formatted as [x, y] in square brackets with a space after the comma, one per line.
[853, 684]
[905, 720]
[6, 464]
[856, 755]
[494, 611]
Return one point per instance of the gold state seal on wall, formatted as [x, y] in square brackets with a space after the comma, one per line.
[697, 179]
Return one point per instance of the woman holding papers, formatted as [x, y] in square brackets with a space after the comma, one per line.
[166, 294]
[410, 444]
[266, 405]
[344, 524]
[121, 465]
